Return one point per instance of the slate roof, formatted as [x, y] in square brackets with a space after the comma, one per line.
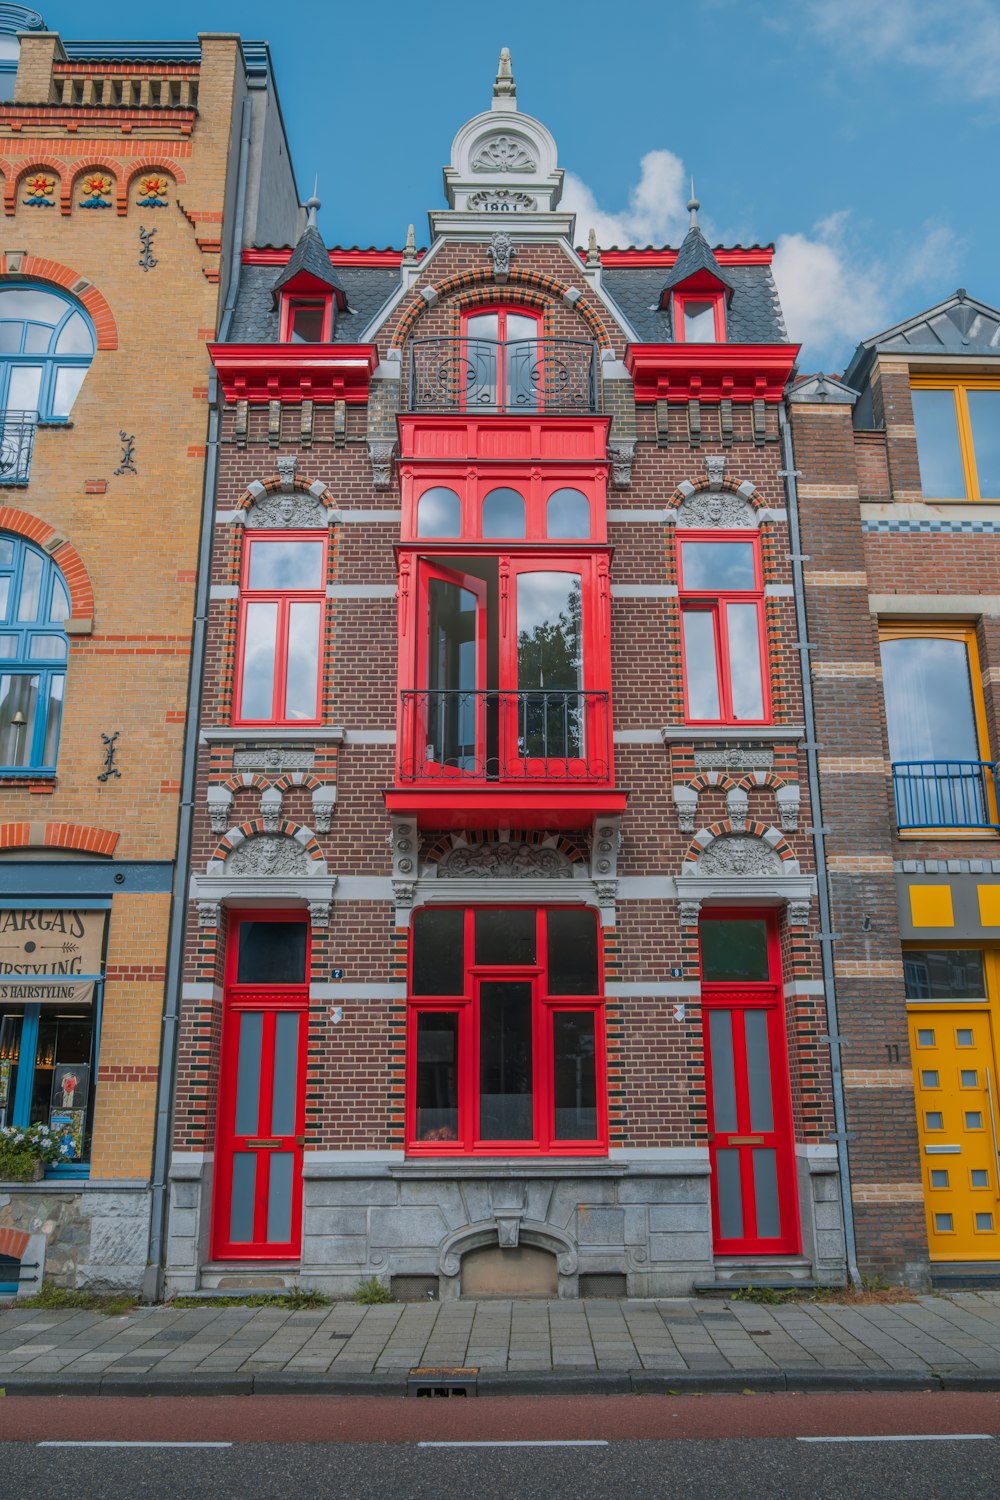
[753, 315]
[312, 256]
[695, 255]
[255, 319]
[959, 325]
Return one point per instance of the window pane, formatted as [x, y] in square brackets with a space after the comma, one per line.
[292, 566]
[248, 1064]
[9, 645]
[503, 513]
[18, 695]
[53, 711]
[306, 325]
[727, 1181]
[10, 337]
[745, 681]
[10, 1053]
[944, 974]
[302, 682]
[75, 337]
[62, 1096]
[59, 607]
[37, 338]
[942, 476]
[567, 514]
[271, 953]
[573, 952]
[550, 665]
[575, 1084]
[506, 936]
[758, 1070]
[279, 1196]
[31, 302]
[699, 322]
[506, 1100]
[720, 1031]
[257, 701]
[984, 415]
[31, 587]
[765, 1182]
[734, 950]
[523, 374]
[700, 669]
[439, 951]
[439, 512]
[718, 567]
[450, 727]
[242, 1204]
[437, 1077]
[284, 1093]
[22, 391]
[928, 700]
[69, 379]
[47, 648]
[6, 552]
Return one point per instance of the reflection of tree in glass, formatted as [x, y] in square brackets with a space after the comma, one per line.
[549, 675]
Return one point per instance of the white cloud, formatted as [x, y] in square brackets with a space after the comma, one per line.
[656, 213]
[959, 40]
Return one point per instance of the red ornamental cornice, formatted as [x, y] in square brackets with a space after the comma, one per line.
[710, 372]
[323, 373]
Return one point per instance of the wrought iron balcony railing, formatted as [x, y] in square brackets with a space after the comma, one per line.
[959, 794]
[17, 442]
[557, 376]
[535, 735]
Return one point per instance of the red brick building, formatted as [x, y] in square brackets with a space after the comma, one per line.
[501, 969]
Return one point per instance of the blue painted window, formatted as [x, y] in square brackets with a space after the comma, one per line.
[46, 346]
[34, 603]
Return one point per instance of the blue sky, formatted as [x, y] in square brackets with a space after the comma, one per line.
[858, 135]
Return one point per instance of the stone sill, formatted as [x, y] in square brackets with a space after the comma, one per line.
[230, 735]
[732, 734]
[76, 1185]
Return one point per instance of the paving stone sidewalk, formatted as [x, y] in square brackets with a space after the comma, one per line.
[679, 1342]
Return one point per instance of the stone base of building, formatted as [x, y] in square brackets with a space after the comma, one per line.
[85, 1235]
[637, 1225]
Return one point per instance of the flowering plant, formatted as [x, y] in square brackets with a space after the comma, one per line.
[21, 1146]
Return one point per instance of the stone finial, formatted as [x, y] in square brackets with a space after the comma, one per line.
[313, 206]
[410, 248]
[593, 253]
[693, 207]
[504, 89]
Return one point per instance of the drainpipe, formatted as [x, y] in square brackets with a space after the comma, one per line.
[825, 935]
[153, 1281]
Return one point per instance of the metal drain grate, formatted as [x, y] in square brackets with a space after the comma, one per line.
[427, 1381]
[603, 1284]
[414, 1288]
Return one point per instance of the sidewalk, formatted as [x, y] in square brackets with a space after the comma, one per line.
[680, 1344]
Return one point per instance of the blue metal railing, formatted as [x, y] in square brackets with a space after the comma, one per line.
[945, 794]
[17, 441]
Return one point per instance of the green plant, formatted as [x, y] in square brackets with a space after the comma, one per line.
[371, 1292]
[296, 1300]
[21, 1147]
[874, 1283]
[114, 1304]
[766, 1295]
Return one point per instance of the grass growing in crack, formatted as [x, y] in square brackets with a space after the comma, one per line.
[371, 1292]
[57, 1298]
[872, 1290]
[296, 1300]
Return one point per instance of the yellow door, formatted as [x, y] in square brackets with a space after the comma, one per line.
[955, 1077]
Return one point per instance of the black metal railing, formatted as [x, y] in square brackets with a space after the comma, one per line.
[17, 442]
[527, 735]
[945, 794]
[557, 376]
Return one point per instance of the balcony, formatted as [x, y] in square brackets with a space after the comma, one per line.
[524, 377]
[17, 442]
[958, 795]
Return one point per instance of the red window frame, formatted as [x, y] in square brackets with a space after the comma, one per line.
[501, 311]
[716, 603]
[284, 598]
[537, 486]
[738, 997]
[544, 1007]
[290, 301]
[718, 308]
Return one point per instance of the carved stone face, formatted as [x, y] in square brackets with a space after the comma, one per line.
[286, 509]
[715, 510]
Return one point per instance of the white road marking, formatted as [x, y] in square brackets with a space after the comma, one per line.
[74, 1443]
[526, 1443]
[908, 1437]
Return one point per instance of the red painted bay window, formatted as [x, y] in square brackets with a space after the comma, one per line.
[505, 1050]
[722, 625]
[282, 608]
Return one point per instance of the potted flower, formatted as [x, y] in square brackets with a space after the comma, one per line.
[24, 1152]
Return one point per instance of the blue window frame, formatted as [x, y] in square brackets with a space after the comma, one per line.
[46, 346]
[34, 603]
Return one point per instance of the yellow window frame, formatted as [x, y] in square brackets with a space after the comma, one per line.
[960, 388]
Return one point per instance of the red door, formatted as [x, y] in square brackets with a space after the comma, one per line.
[751, 1147]
[450, 713]
[261, 1125]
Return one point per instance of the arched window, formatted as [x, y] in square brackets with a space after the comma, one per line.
[33, 605]
[46, 345]
[503, 513]
[567, 514]
[439, 512]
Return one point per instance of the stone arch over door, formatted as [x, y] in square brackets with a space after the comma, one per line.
[506, 1232]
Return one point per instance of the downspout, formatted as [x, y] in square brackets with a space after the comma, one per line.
[153, 1281]
[825, 935]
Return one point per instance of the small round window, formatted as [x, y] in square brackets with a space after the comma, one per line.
[503, 513]
[439, 513]
[567, 514]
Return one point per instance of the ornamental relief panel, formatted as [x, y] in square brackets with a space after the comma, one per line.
[503, 153]
[295, 512]
[269, 854]
[721, 511]
[509, 861]
[739, 854]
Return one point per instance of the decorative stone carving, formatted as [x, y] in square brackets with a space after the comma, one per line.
[324, 799]
[380, 453]
[787, 798]
[737, 802]
[503, 153]
[724, 511]
[268, 854]
[319, 913]
[501, 201]
[404, 892]
[739, 854]
[607, 839]
[715, 468]
[270, 808]
[689, 912]
[736, 758]
[621, 455]
[798, 913]
[220, 800]
[297, 512]
[274, 758]
[486, 1232]
[508, 1228]
[501, 251]
[286, 466]
[606, 892]
[686, 802]
[505, 861]
[208, 913]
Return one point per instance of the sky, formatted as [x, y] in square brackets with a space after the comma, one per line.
[859, 136]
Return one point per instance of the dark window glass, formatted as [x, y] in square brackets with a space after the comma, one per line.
[734, 950]
[506, 1101]
[944, 974]
[439, 952]
[59, 1061]
[575, 1083]
[573, 952]
[271, 953]
[305, 326]
[506, 936]
[437, 1076]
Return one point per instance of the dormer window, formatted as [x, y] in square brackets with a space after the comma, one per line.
[699, 319]
[306, 320]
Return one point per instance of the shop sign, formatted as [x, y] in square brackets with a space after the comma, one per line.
[43, 949]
